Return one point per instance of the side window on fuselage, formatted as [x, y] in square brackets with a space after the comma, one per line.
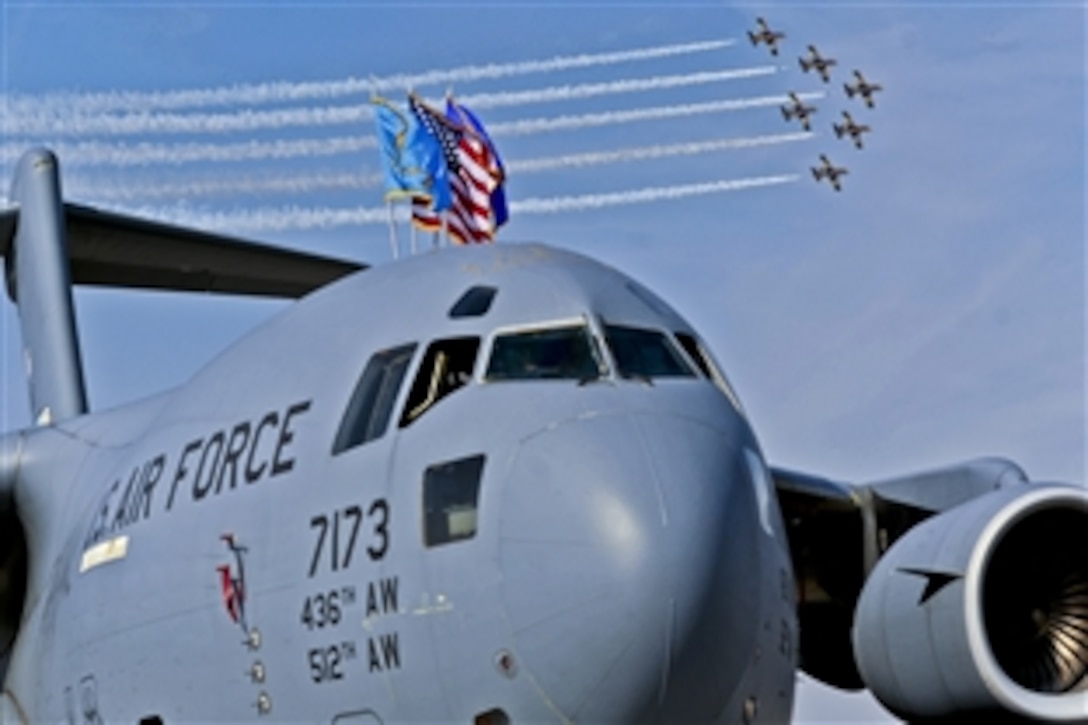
[451, 493]
[371, 405]
[446, 367]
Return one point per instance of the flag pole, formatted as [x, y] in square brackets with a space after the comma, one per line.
[392, 229]
[413, 228]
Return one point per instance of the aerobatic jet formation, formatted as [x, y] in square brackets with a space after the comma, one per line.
[818, 63]
[797, 109]
[850, 128]
[764, 34]
[862, 88]
[491, 484]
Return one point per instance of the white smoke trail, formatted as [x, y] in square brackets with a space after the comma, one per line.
[266, 219]
[94, 152]
[627, 85]
[106, 190]
[594, 158]
[89, 124]
[278, 219]
[280, 92]
[48, 122]
[558, 123]
[558, 204]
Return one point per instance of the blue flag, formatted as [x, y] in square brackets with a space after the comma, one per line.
[463, 117]
[412, 160]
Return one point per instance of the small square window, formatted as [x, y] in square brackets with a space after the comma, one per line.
[451, 492]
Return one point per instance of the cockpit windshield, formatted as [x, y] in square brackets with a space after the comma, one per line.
[555, 353]
[641, 353]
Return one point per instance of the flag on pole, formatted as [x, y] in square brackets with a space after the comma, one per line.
[413, 163]
[462, 116]
[471, 179]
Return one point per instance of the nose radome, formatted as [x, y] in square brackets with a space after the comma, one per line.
[614, 548]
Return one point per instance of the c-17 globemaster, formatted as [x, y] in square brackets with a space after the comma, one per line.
[482, 485]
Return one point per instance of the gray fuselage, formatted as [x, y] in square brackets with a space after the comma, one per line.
[477, 537]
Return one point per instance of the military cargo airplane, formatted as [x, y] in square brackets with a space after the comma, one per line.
[817, 62]
[830, 172]
[763, 34]
[849, 127]
[494, 484]
[863, 88]
[797, 109]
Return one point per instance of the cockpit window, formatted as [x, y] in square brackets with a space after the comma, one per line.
[641, 353]
[554, 353]
[446, 367]
[703, 359]
[691, 347]
[367, 414]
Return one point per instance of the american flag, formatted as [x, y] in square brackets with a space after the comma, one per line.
[473, 175]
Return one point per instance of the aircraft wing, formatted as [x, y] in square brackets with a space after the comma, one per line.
[111, 249]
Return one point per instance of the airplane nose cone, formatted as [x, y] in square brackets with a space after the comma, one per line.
[629, 554]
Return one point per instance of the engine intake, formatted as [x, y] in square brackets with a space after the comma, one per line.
[983, 608]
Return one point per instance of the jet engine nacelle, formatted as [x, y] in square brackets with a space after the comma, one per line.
[983, 607]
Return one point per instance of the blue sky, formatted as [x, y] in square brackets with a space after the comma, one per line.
[933, 311]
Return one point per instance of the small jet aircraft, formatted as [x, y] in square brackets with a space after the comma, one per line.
[764, 34]
[495, 484]
[862, 88]
[849, 127]
[817, 62]
[830, 172]
[797, 109]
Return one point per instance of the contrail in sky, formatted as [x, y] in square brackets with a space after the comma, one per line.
[594, 158]
[97, 189]
[557, 204]
[558, 123]
[49, 122]
[112, 189]
[95, 152]
[295, 217]
[92, 124]
[629, 85]
[280, 92]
